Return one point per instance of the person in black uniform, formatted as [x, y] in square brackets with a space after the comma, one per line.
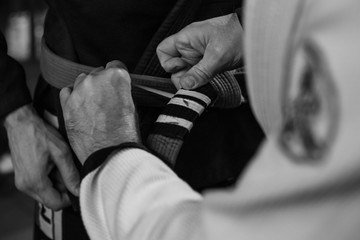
[93, 33]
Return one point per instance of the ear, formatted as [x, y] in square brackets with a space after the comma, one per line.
[310, 107]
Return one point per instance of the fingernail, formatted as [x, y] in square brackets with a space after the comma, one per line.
[188, 83]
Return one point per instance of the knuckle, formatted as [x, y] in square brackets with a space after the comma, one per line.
[180, 39]
[218, 53]
[202, 72]
[62, 152]
[114, 71]
[87, 83]
[21, 184]
[160, 46]
[120, 72]
[116, 64]
[65, 155]
[59, 156]
[117, 74]
[176, 81]
[62, 93]
[168, 66]
[192, 25]
[27, 185]
[38, 188]
[62, 145]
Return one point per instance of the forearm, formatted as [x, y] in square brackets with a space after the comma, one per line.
[142, 199]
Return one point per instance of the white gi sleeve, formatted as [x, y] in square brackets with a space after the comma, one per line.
[135, 196]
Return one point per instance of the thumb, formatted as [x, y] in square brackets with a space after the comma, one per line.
[201, 73]
[64, 95]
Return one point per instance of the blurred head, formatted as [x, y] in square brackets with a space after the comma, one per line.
[303, 63]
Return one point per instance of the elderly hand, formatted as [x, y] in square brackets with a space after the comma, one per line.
[99, 112]
[201, 50]
[42, 161]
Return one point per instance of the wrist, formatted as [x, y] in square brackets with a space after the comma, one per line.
[97, 158]
[128, 132]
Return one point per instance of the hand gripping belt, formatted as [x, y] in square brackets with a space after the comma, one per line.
[179, 114]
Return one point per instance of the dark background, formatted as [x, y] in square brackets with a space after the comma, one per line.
[21, 23]
[22, 19]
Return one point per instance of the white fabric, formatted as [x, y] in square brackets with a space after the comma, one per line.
[268, 25]
[196, 107]
[135, 196]
[181, 122]
[129, 194]
[197, 95]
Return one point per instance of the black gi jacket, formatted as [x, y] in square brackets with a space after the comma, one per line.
[94, 32]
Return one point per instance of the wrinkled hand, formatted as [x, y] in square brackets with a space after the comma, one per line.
[42, 161]
[99, 112]
[201, 50]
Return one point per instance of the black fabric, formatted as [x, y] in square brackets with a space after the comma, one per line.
[46, 98]
[38, 234]
[62, 37]
[170, 130]
[219, 147]
[175, 131]
[94, 32]
[73, 226]
[207, 90]
[195, 99]
[67, 35]
[13, 89]
[114, 30]
[179, 17]
[239, 13]
[96, 159]
[180, 112]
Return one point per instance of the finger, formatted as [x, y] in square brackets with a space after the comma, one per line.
[166, 51]
[122, 70]
[116, 64]
[201, 73]
[176, 77]
[50, 197]
[79, 79]
[174, 65]
[57, 181]
[64, 162]
[64, 95]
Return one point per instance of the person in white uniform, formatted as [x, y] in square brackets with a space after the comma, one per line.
[302, 59]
